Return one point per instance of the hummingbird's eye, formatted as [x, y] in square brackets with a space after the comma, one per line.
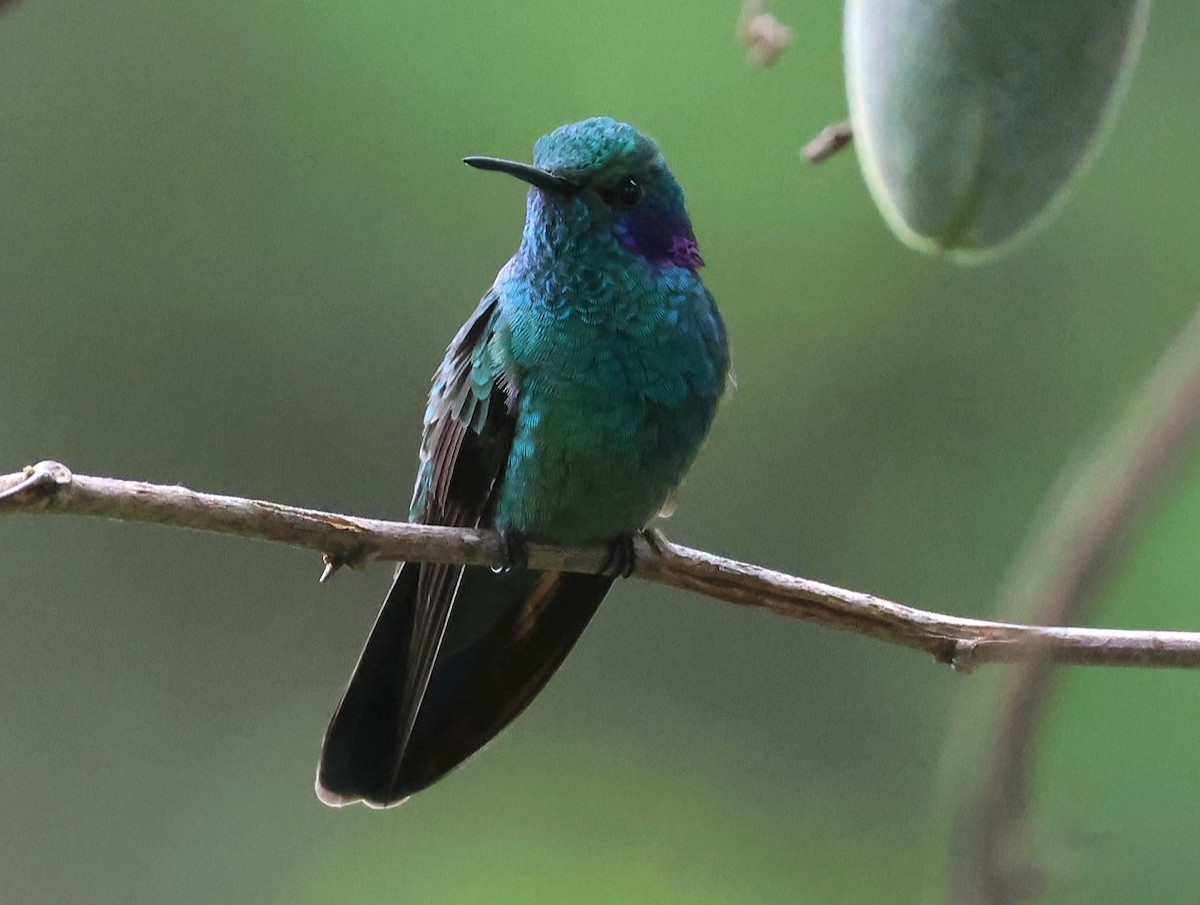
[626, 193]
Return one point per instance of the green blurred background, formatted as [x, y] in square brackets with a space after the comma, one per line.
[234, 241]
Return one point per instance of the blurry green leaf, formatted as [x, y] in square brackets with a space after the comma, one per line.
[972, 116]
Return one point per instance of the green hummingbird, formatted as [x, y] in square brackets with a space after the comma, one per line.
[567, 410]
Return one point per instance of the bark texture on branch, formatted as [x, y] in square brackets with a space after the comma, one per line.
[50, 487]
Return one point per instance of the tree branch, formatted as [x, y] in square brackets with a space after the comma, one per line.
[50, 487]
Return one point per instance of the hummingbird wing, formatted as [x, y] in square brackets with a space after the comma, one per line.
[469, 425]
[456, 653]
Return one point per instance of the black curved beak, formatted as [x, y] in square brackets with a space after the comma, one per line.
[535, 176]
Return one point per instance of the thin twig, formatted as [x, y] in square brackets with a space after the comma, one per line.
[49, 487]
[1084, 529]
[828, 142]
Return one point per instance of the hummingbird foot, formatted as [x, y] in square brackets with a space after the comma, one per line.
[622, 558]
[515, 550]
[656, 539]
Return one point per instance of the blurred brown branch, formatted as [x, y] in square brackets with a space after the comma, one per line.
[1084, 528]
[765, 37]
[50, 487]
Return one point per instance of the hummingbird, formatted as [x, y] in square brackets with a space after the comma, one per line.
[567, 410]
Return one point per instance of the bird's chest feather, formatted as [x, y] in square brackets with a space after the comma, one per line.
[619, 379]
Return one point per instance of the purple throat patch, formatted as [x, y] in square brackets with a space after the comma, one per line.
[661, 239]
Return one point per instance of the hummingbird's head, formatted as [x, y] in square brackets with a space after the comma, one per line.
[603, 179]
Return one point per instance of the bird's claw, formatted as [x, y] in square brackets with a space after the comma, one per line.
[656, 540]
[514, 549]
[622, 558]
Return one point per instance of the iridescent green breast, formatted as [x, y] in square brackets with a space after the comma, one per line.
[619, 382]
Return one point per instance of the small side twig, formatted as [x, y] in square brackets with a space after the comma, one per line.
[828, 142]
[353, 540]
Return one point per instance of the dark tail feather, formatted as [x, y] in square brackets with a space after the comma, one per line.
[362, 743]
[506, 636]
